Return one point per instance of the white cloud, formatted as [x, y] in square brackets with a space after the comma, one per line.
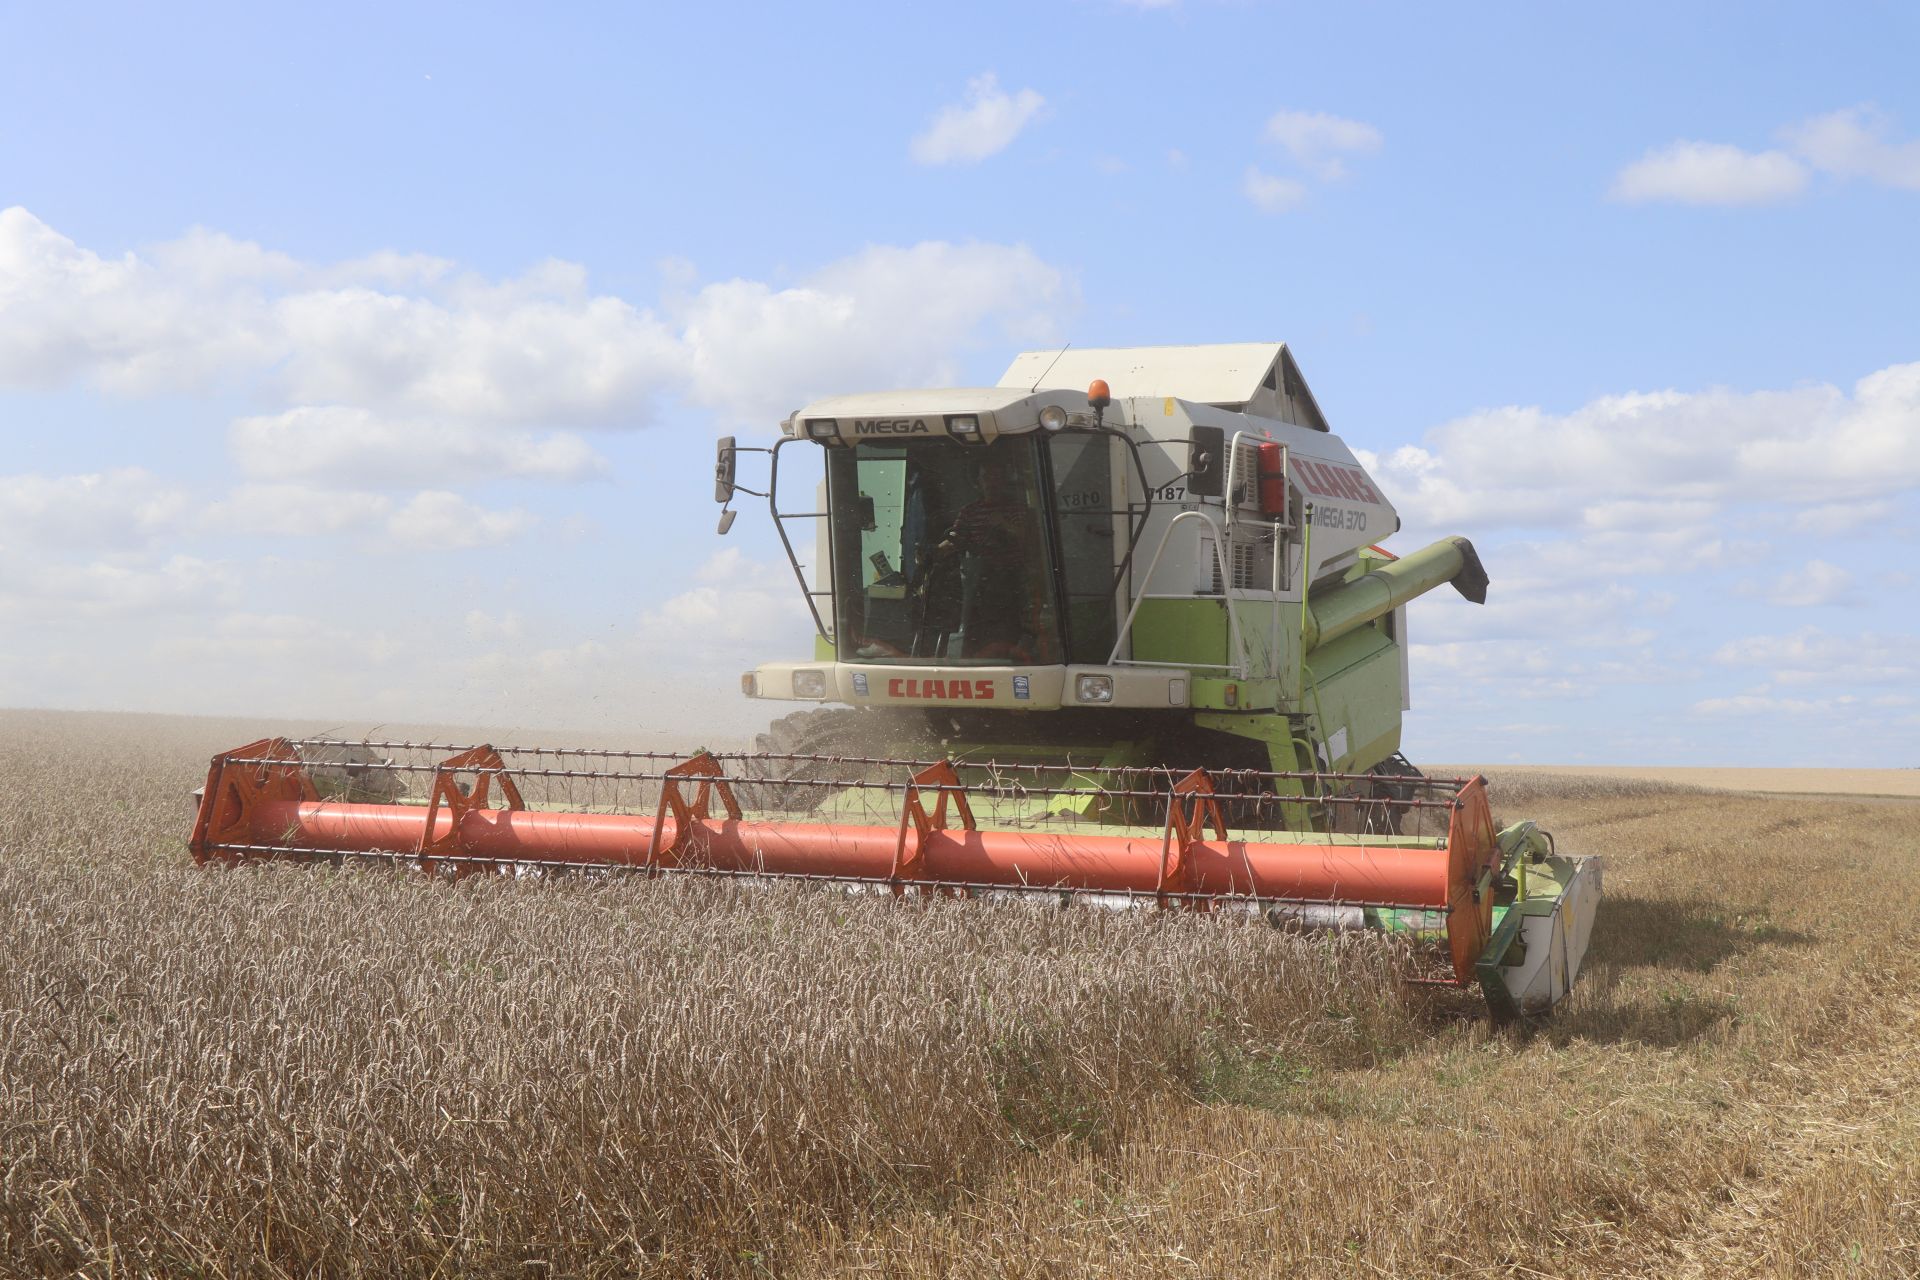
[737, 604]
[294, 510]
[1632, 515]
[1835, 519]
[1596, 525]
[482, 625]
[38, 590]
[392, 269]
[1526, 606]
[1814, 583]
[440, 521]
[1597, 556]
[358, 448]
[1546, 667]
[124, 507]
[1753, 704]
[1853, 144]
[1541, 664]
[1272, 194]
[1813, 656]
[184, 320]
[885, 317]
[1317, 142]
[540, 348]
[1686, 453]
[981, 125]
[207, 311]
[1686, 172]
[390, 355]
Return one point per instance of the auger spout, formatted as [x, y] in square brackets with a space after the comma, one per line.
[1335, 611]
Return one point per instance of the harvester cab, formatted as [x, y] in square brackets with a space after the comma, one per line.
[1119, 628]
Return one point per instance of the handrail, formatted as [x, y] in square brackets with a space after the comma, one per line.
[780, 527]
[1238, 666]
[1230, 500]
[1233, 465]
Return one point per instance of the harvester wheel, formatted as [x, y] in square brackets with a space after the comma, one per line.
[1391, 791]
[826, 731]
[1378, 806]
[818, 731]
[353, 773]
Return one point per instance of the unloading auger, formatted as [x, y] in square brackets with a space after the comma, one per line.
[1138, 644]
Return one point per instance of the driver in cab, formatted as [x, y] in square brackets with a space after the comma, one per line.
[981, 575]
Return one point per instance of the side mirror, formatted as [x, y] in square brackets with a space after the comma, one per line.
[726, 522]
[723, 463]
[1206, 462]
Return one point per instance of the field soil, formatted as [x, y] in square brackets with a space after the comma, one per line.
[291, 1071]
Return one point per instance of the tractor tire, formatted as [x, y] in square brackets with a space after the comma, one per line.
[824, 733]
[1387, 815]
[818, 731]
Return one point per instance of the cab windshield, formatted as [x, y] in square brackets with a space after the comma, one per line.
[941, 554]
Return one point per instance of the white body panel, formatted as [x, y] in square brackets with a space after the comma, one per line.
[1014, 688]
[1556, 941]
[1260, 378]
[1349, 511]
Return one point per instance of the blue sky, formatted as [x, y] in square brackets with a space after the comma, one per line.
[366, 362]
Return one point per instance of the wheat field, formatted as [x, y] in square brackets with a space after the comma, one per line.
[1893, 783]
[311, 1072]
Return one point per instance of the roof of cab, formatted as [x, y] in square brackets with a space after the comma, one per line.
[883, 404]
[1251, 377]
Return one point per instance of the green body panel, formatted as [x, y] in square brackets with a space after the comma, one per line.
[1218, 693]
[1283, 736]
[1354, 684]
[1288, 751]
[1347, 691]
[1182, 631]
[823, 650]
[1195, 633]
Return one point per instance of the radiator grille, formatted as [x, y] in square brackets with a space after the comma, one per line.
[1252, 562]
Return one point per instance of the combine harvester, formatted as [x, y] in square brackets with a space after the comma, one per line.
[1136, 643]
